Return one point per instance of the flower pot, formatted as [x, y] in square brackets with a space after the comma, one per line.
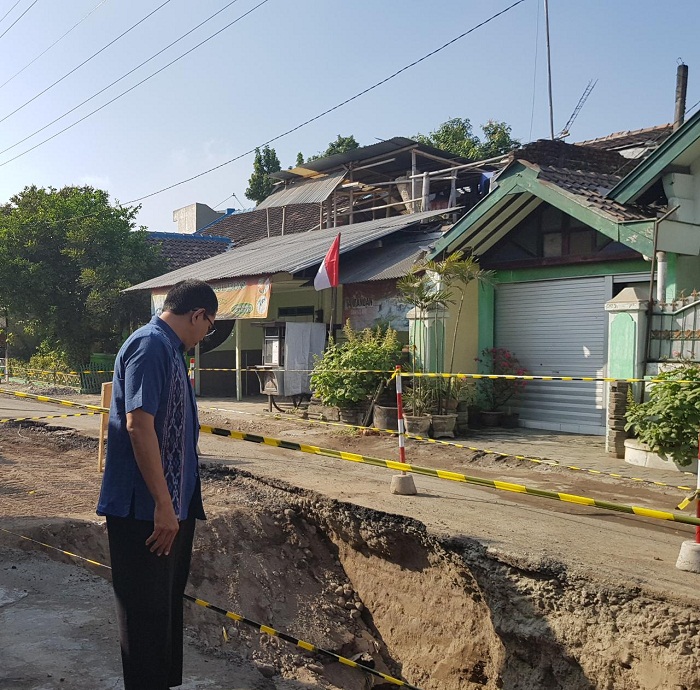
[386, 417]
[639, 453]
[510, 420]
[489, 418]
[444, 425]
[418, 425]
[354, 414]
[462, 425]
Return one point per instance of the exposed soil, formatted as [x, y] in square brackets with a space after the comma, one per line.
[442, 613]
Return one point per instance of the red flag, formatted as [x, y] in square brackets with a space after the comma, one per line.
[327, 275]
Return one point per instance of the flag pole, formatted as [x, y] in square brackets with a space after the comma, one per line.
[331, 320]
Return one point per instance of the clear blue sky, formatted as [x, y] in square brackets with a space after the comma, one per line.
[290, 60]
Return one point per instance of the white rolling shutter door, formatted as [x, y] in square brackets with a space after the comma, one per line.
[557, 328]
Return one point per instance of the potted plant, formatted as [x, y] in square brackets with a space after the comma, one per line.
[418, 401]
[495, 393]
[346, 375]
[668, 421]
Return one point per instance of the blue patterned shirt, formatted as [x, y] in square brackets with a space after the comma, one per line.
[150, 374]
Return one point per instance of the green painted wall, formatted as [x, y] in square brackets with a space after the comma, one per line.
[622, 350]
[486, 324]
[686, 275]
[572, 271]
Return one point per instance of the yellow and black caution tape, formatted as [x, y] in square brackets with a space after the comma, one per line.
[44, 372]
[307, 371]
[300, 643]
[57, 401]
[266, 629]
[532, 377]
[452, 476]
[688, 500]
[454, 444]
[551, 463]
[48, 416]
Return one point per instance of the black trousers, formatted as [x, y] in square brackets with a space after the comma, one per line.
[148, 591]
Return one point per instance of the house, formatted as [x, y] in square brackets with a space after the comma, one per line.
[567, 228]
[271, 280]
[180, 250]
[388, 179]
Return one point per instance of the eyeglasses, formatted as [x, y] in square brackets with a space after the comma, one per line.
[211, 330]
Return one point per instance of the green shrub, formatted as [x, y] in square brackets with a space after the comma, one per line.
[335, 378]
[669, 421]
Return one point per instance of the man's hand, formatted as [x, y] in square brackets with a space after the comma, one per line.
[165, 529]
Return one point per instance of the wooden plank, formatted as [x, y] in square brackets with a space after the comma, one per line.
[105, 401]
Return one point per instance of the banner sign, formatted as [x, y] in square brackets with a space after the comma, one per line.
[238, 299]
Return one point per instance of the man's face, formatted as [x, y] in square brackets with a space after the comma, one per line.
[202, 326]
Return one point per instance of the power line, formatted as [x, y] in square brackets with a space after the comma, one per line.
[53, 44]
[116, 81]
[18, 18]
[330, 110]
[123, 93]
[58, 81]
[8, 11]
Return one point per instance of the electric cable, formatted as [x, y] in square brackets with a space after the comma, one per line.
[58, 40]
[84, 62]
[294, 129]
[330, 110]
[123, 93]
[18, 18]
[116, 81]
[4, 16]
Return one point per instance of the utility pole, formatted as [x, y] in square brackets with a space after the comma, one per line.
[549, 70]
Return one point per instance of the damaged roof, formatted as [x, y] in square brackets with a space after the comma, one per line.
[288, 253]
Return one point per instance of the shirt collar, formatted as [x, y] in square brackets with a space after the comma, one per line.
[172, 336]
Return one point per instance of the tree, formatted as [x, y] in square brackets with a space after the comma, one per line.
[260, 185]
[340, 145]
[456, 136]
[65, 257]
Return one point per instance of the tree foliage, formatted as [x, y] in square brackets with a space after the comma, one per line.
[65, 257]
[340, 145]
[260, 185]
[456, 135]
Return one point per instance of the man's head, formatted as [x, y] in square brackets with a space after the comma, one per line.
[190, 310]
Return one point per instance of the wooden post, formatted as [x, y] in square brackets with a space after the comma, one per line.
[105, 401]
[413, 180]
[239, 377]
[425, 204]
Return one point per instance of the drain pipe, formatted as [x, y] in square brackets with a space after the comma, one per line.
[661, 276]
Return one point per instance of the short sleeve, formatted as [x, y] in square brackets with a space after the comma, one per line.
[146, 373]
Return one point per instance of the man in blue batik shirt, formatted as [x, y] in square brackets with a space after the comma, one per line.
[151, 494]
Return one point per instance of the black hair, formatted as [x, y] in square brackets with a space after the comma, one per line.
[190, 295]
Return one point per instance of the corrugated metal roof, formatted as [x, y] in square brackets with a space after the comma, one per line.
[383, 148]
[312, 192]
[289, 253]
[393, 260]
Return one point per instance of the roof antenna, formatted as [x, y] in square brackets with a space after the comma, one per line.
[681, 89]
[584, 96]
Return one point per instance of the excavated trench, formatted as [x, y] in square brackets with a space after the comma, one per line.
[443, 615]
[380, 589]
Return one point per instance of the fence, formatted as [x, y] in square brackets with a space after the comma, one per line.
[675, 330]
[87, 379]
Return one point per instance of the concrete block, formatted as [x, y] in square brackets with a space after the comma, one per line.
[403, 485]
[689, 557]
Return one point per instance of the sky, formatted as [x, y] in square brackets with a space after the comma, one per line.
[289, 60]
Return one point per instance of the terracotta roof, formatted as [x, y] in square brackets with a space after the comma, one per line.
[648, 137]
[591, 188]
[183, 250]
[249, 226]
[573, 157]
